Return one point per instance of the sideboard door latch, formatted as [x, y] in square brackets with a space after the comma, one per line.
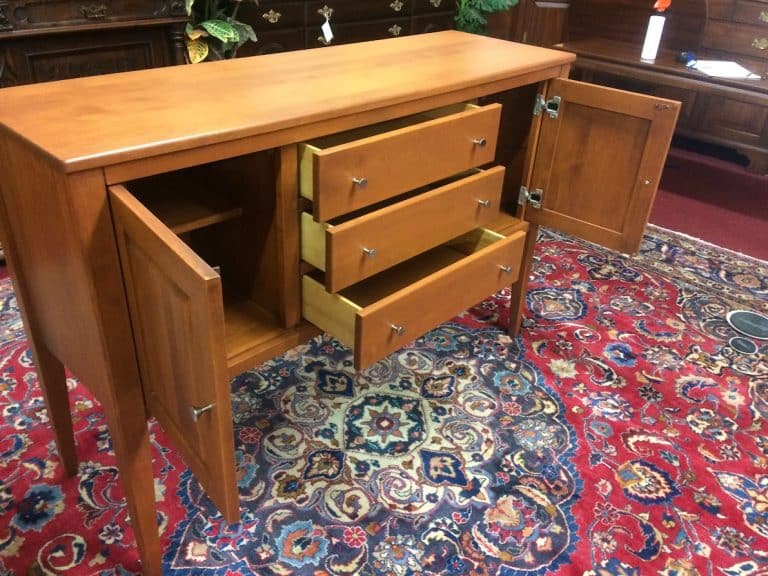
[552, 106]
[532, 197]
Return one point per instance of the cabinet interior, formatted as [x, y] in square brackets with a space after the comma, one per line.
[225, 212]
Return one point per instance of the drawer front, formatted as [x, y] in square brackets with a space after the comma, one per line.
[395, 319]
[425, 6]
[343, 11]
[751, 13]
[433, 23]
[359, 32]
[360, 173]
[365, 246]
[271, 16]
[47, 13]
[272, 41]
[737, 38]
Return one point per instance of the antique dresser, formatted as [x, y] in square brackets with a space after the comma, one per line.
[183, 246]
[42, 40]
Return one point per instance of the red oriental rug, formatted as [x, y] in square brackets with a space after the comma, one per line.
[619, 435]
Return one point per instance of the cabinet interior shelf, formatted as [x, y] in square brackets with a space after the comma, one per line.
[183, 207]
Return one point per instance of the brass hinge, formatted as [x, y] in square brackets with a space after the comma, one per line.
[533, 197]
[552, 106]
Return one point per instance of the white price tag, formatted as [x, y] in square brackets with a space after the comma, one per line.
[327, 32]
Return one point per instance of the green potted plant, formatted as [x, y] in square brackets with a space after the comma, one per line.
[471, 15]
[213, 30]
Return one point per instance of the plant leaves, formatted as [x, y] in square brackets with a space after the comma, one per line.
[220, 29]
[197, 50]
[194, 33]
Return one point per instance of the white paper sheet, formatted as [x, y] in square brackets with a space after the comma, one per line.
[724, 69]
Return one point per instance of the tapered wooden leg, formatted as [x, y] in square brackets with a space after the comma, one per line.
[130, 439]
[53, 383]
[520, 288]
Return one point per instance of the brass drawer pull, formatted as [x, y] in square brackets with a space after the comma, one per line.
[272, 17]
[325, 12]
[484, 203]
[436, 3]
[197, 412]
[481, 142]
[398, 329]
[506, 269]
[763, 16]
[760, 43]
[94, 11]
[323, 41]
[395, 30]
[396, 5]
[361, 182]
[371, 252]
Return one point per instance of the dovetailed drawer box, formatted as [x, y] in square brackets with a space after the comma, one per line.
[359, 247]
[382, 314]
[348, 171]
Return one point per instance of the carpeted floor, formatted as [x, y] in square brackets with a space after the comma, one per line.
[619, 435]
[715, 200]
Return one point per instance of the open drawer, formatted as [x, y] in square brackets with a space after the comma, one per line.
[385, 312]
[350, 170]
[359, 247]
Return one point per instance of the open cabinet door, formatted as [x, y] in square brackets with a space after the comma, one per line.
[598, 162]
[177, 312]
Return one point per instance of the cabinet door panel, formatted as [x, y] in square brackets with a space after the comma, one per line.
[599, 162]
[177, 313]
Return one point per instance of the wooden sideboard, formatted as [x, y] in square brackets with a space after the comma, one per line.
[200, 240]
[607, 37]
[56, 39]
[282, 26]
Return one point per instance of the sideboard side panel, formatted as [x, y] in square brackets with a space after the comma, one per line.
[71, 271]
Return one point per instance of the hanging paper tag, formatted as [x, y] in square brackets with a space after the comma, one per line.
[327, 32]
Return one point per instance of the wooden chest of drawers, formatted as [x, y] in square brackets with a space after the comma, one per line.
[42, 40]
[193, 249]
[282, 26]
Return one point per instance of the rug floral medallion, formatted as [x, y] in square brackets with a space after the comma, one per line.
[618, 435]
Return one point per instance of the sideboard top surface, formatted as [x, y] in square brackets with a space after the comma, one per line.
[103, 120]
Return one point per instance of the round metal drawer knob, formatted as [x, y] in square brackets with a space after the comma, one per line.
[360, 182]
[398, 329]
[481, 142]
[370, 252]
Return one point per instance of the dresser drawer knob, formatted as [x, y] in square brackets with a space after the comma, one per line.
[396, 5]
[506, 269]
[484, 203]
[481, 142]
[197, 412]
[760, 43]
[397, 329]
[361, 182]
[272, 17]
[436, 3]
[370, 252]
[763, 16]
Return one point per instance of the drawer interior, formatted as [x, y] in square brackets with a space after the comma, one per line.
[336, 313]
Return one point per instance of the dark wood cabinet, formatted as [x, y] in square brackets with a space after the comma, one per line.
[58, 39]
[283, 26]
[607, 37]
[532, 22]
